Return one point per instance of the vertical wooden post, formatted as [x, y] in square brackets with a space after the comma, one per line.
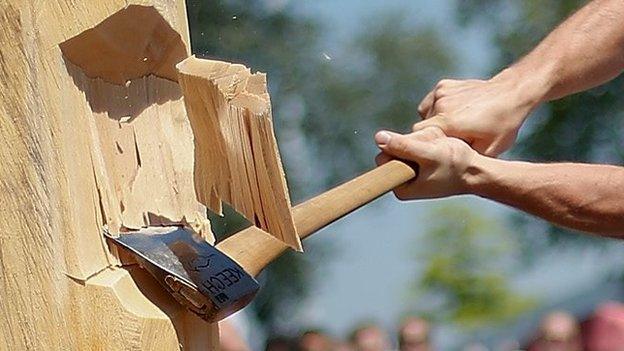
[93, 132]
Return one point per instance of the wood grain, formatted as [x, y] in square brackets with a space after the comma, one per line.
[236, 155]
[85, 141]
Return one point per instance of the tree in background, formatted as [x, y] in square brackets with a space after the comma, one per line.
[467, 259]
[585, 127]
[325, 110]
[378, 84]
[274, 41]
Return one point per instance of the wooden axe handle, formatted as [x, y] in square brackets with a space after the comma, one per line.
[253, 248]
[335, 203]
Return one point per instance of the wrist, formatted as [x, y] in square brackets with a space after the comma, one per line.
[479, 174]
[528, 88]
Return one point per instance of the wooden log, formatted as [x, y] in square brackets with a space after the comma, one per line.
[236, 157]
[93, 132]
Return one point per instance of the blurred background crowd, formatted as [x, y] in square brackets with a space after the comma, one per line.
[602, 330]
[480, 274]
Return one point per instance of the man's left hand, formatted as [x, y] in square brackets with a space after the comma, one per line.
[443, 162]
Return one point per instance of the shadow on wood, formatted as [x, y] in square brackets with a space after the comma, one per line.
[115, 62]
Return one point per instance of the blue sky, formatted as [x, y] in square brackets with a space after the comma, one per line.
[343, 19]
[370, 277]
[370, 274]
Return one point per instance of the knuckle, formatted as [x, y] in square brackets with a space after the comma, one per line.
[441, 83]
[421, 111]
[399, 145]
[440, 93]
[440, 106]
[445, 83]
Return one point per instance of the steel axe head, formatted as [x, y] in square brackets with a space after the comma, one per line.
[199, 276]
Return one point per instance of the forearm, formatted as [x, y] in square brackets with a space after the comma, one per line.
[584, 51]
[585, 197]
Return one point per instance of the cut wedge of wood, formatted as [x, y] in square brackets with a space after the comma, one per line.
[93, 132]
[236, 155]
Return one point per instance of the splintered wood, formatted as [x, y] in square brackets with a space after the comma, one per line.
[90, 138]
[236, 156]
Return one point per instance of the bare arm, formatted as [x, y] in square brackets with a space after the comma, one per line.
[580, 196]
[585, 197]
[584, 51]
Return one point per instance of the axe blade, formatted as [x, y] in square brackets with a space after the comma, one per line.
[199, 276]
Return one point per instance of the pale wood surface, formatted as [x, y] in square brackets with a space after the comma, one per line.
[254, 248]
[237, 160]
[79, 150]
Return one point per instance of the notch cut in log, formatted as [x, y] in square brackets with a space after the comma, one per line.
[236, 155]
[79, 149]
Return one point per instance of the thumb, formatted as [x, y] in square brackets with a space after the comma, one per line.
[399, 146]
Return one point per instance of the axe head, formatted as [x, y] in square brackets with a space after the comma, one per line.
[200, 277]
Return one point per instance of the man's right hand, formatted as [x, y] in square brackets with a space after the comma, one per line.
[486, 114]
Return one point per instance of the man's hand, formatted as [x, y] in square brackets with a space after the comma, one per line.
[486, 114]
[443, 162]
[583, 52]
[578, 196]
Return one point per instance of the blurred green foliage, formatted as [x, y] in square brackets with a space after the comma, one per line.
[332, 106]
[393, 65]
[277, 43]
[467, 261]
[337, 106]
[584, 127]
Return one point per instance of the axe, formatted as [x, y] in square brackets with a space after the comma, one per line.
[229, 111]
[216, 281]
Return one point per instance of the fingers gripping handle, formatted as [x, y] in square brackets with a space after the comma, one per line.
[323, 209]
